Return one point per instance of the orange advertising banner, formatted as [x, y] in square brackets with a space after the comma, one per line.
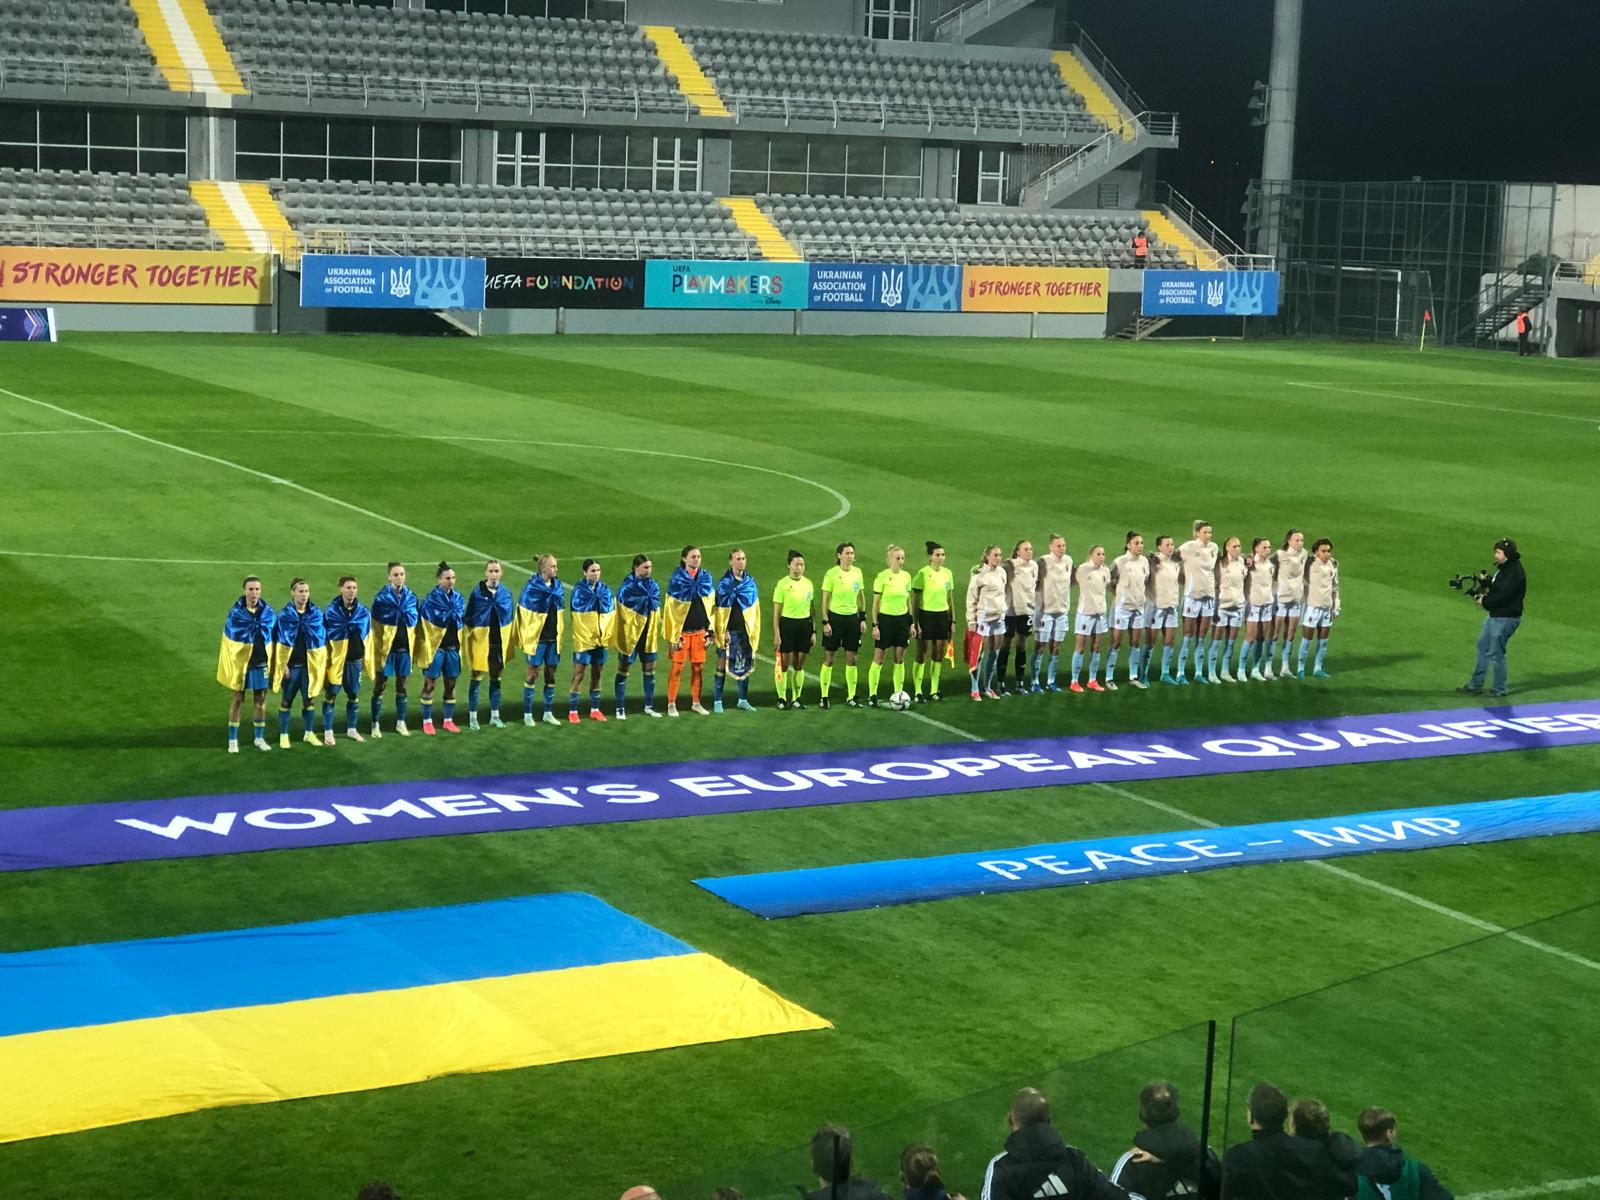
[1034, 289]
[85, 276]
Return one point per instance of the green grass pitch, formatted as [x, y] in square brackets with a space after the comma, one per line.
[119, 557]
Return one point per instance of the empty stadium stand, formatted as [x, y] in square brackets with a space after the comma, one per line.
[454, 218]
[92, 41]
[807, 75]
[382, 53]
[83, 208]
[839, 229]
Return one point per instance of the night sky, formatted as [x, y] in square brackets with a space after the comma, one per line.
[1469, 89]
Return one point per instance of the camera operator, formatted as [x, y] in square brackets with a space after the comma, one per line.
[1501, 601]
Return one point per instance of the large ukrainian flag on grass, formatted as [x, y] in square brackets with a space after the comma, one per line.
[122, 1031]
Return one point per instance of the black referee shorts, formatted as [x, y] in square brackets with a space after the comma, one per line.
[846, 632]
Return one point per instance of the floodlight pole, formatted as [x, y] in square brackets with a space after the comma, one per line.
[1283, 91]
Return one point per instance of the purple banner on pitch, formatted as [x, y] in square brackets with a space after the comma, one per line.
[194, 826]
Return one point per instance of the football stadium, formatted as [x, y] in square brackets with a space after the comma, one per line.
[696, 599]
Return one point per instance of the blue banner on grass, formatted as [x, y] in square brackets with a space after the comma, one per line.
[1106, 860]
[390, 281]
[1210, 293]
[27, 325]
[64, 835]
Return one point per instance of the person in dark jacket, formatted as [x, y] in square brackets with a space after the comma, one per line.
[920, 1176]
[1502, 606]
[1036, 1164]
[1310, 1120]
[1383, 1165]
[1165, 1159]
[1273, 1165]
[831, 1150]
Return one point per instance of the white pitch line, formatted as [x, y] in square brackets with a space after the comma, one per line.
[186, 562]
[972, 737]
[1554, 1187]
[233, 466]
[1515, 412]
[839, 514]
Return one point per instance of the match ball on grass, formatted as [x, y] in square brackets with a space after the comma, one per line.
[900, 701]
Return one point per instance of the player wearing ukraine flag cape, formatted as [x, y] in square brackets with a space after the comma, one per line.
[491, 624]
[686, 620]
[298, 663]
[242, 660]
[439, 645]
[539, 621]
[394, 620]
[637, 633]
[347, 623]
[737, 622]
[594, 622]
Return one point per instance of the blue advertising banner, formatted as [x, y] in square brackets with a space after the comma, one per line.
[390, 281]
[27, 325]
[1106, 860]
[886, 287]
[65, 835]
[694, 283]
[1210, 293]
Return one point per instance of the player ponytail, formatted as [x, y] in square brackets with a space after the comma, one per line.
[639, 560]
[590, 562]
[1255, 543]
[838, 551]
[295, 582]
[794, 554]
[441, 569]
[683, 557]
[1287, 538]
[1128, 541]
[1200, 523]
[932, 546]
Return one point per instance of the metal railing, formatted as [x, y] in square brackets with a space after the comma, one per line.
[1579, 272]
[949, 18]
[66, 74]
[107, 235]
[1105, 151]
[522, 243]
[1164, 195]
[1076, 36]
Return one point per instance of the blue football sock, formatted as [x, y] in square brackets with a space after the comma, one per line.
[527, 700]
[327, 714]
[744, 688]
[1166, 658]
[261, 730]
[283, 722]
[450, 710]
[1135, 663]
[1077, 665]
[572, 701]
[308, 718]
[1055, 660]
[1322, 651]
[233, 733]
[1183, 655]
[352, 715]
[1244, 657]
[549, 696]
[427, 711]
[472, 697]
[494, 697]
[401, 704]
[377, 710]
[1212, 654]
[620, 691]
[718, 682]
[1305, 645]
[1288, 647]
[1111, 664]
[1094, 665]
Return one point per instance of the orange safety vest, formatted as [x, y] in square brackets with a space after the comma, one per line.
[1141, 245]
[1523, 323]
